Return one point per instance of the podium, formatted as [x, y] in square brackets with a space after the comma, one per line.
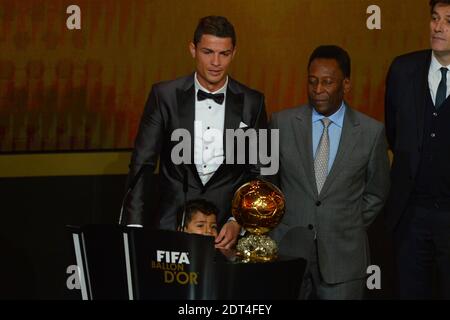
[123, 263]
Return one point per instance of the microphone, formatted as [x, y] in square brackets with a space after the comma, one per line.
[185, 190]
[130, 188]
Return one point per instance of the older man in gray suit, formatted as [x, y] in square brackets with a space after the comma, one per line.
[334, 172]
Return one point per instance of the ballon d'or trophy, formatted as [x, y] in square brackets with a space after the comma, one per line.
[258, 207]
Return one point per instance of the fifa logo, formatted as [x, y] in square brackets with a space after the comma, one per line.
[173, 263]
[172, 257]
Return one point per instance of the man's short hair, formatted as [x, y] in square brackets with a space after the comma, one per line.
[333, 52]
[216, 26]
[435, 2]
[192, 206]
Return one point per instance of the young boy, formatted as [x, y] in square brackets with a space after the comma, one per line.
[200, 218]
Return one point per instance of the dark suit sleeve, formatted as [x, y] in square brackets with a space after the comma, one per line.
[377, 180]
[147, 148]
[390, 107]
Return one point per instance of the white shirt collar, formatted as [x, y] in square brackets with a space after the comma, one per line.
[199, 86]
[435, 65]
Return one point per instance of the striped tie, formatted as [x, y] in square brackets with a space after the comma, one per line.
[322, 156]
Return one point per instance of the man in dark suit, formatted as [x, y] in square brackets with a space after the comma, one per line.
[417, 114]
[334, 172]
[205, 104]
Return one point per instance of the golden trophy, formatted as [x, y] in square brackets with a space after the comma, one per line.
[258, 207]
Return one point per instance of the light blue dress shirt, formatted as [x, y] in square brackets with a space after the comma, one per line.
[334, 131]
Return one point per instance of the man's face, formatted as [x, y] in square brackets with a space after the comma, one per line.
[202, 224]
[440, 29]
[326, 86]
[213, 56]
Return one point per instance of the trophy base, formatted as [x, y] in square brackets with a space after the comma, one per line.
[256, 248]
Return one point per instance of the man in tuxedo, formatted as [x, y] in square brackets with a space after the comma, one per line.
[417, 114]
[205, 104]
[334, 172]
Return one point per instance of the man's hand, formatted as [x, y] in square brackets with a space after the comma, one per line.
[228, 235]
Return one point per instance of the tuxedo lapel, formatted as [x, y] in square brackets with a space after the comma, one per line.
[350, 131]
[234, 105]
[302, 127]
[186, 112]
[233, 109]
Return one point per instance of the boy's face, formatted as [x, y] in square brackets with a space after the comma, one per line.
[202, 224]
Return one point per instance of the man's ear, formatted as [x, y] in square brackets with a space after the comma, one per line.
[192, 49]
[234, 52]
[347, 85]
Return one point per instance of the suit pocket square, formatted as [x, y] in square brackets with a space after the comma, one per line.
[242, 125]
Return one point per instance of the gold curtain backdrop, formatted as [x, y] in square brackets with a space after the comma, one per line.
[67, 90]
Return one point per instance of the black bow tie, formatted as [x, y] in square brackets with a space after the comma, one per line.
[218, 97]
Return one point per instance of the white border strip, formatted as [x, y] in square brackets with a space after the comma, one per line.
[82, 279]
[128, 266]
[87, 267]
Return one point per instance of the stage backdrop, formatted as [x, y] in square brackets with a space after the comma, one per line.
[69, 90]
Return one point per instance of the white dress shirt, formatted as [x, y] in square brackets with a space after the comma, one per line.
[208, 132]
[434, 77]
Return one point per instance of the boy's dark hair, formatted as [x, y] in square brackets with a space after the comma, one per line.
[192, 206]
[333, 52]
[435, 2]
[215, 25]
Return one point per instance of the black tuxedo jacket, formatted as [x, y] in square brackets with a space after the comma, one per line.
[406, 93]
[170, 106]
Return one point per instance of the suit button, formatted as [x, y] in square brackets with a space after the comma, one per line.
[310, 226]
[318, 203]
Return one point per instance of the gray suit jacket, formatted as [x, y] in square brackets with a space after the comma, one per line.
[354, 193]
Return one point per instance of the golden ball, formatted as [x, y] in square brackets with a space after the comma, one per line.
[258, 206]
